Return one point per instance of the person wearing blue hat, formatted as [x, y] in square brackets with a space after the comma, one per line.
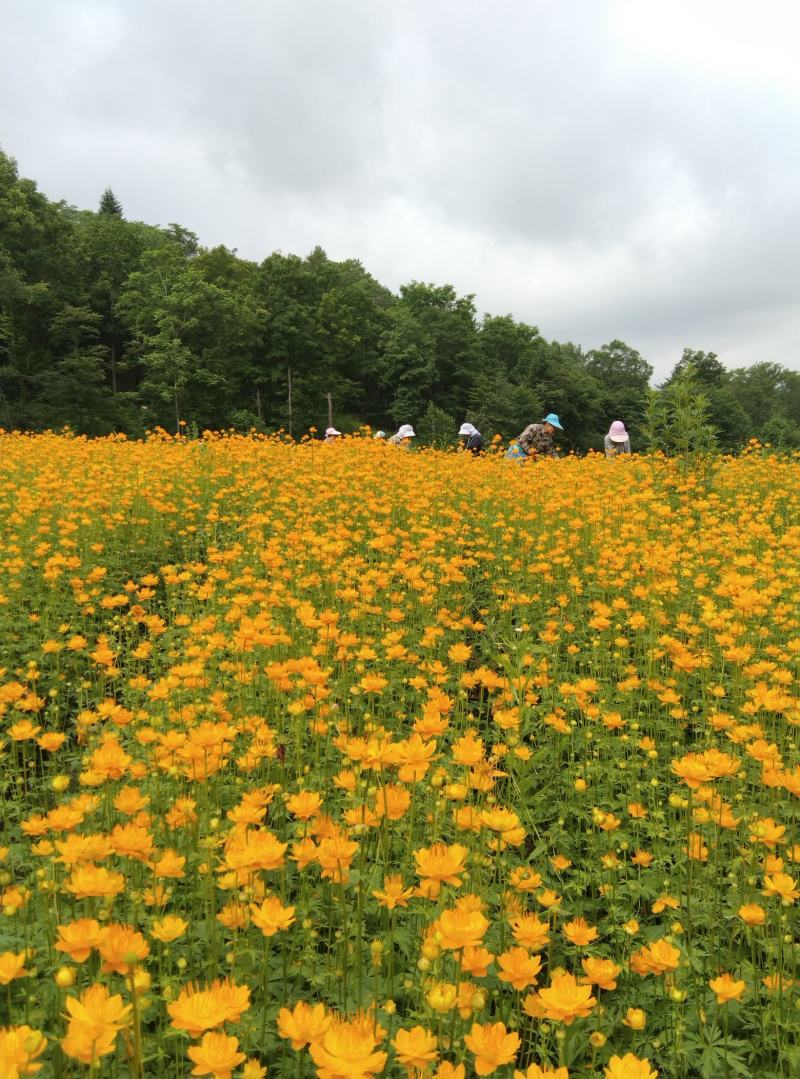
[537, 438]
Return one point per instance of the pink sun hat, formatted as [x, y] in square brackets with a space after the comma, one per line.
[617, 432]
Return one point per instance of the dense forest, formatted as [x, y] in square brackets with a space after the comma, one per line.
[113, 325]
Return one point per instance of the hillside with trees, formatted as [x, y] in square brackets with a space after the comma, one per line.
[114, 325]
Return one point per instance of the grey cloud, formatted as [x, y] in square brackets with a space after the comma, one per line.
[523, 151]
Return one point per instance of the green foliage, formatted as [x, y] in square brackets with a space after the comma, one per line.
[677, 417]
[436, 428]
[108, 324]
[110, 204]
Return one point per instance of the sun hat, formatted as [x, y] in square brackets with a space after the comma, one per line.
[468, 429]
[331, 431]
[552, 418]
[380, 434]
[407, 431]
[617, 432]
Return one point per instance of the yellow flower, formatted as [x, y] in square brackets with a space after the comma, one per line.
[347, 1049]
[197, 1010]
[304, 1024]
[752, 914]
[635, 1018]
[492, 1045]
[121, 948]
[579, 932]
[539, 1071]
[217, 1055]
[629, 1067]
[440, 864]
[564, 1000]
[12, 966]
[393, 894]
[518, 968]
[19, 1048]
[461, 928]
[168, 928]
[94, 1022]
[726, 988]
[656, 958]
[415, 1048]
[783, 886]
[272, 916]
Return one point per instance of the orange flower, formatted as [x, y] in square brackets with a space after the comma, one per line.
[600, 972]
[94, 1022]
[492, 1046]
[415, 1048]
[12, 966]
[78, 939]
[304, 805]
[440, 864]
[781, 885]
[198, 1010]
[656, 958]
[168, 928]
[19, 1048]
[446, 1070]
[475, 960]
[393, 894]
[635, 1018]
[442, 997]
[461, 928]
[304, 1024]
[629, 1067]
[347, 1049]
[564, 1000]
[518, 968]
[579, 932]
[530, 932]
[272, 916]
[752, 914]
[726, 988]
[217, 1055]
[335, 855]
[392, 801]
[537, 1071]
[373, 683]
[121, 948]
[91, 882]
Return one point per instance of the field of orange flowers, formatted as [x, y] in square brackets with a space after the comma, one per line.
[342, 761]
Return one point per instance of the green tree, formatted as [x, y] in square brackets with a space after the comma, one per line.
[110, 204]
[436, 427]
[623, 378]
[678, 416]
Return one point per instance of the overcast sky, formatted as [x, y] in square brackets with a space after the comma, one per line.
[599, 168]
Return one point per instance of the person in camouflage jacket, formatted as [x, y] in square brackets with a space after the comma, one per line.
[537, 438]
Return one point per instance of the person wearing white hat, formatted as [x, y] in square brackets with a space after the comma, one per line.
[404, 435]
[331, 434]
[472, 438]
[617, 440]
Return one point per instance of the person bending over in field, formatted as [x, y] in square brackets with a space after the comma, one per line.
[403, 437]
[471, 438]
[537, 438]
[617, 440]
[332, 435]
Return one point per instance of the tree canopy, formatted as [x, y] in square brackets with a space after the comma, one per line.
[114, 325]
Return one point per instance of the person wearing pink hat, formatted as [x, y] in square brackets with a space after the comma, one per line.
[617, 440]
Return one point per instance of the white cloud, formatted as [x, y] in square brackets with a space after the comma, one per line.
[600, 170]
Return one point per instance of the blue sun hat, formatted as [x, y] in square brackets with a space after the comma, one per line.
[552, 418]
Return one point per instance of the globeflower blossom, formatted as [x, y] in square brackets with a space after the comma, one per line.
[492, 1045]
